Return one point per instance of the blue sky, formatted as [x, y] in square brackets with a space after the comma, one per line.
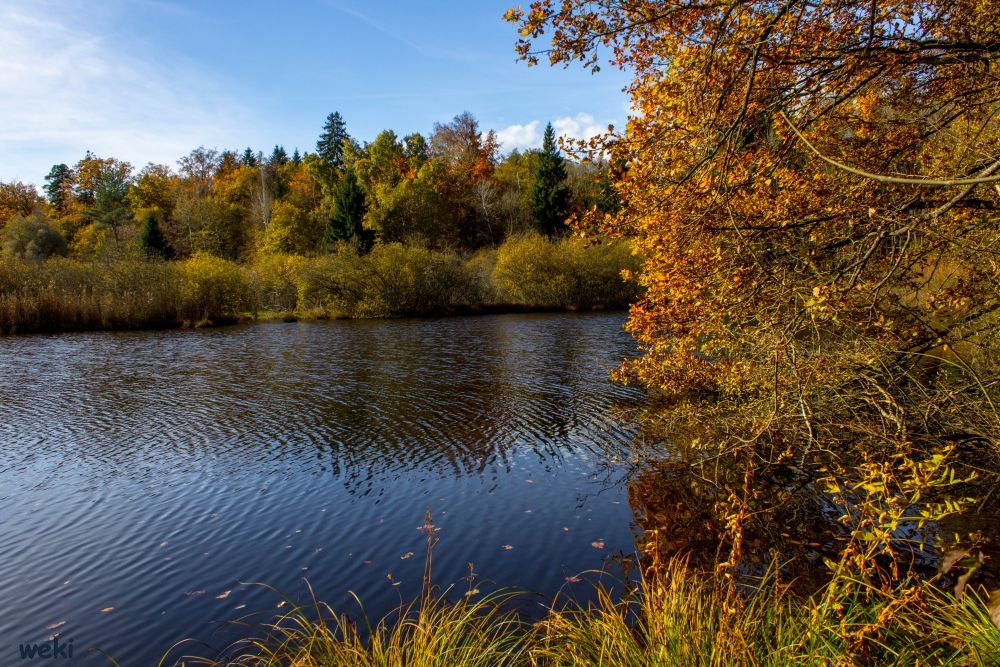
[148, 80]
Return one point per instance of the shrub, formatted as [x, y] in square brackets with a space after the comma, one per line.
[214, 288]
[276, 279]
[531, 270]
[33, 238]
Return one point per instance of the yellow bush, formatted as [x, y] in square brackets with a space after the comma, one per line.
[214, 288]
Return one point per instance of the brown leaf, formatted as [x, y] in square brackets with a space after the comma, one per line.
[55, 625]
[107, 609]
[597, 545]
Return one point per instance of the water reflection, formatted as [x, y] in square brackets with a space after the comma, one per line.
[152, 472]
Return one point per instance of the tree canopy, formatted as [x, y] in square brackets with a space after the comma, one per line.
[813, 187]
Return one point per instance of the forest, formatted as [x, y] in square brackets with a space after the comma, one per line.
[803, 212]
[418, 225]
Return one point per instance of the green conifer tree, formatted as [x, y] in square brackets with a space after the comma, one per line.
[152, 240]
[330, 146]
[349, 210]
[57, 186]
[550, 196]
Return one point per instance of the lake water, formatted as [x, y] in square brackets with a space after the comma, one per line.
[148, 479]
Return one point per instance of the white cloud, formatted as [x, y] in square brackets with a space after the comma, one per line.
[67, 90]
[580, 126]
[529, 135]
[520, 137]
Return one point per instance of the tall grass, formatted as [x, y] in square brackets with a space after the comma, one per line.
[434, 633]
[391, 281]
[677, 618]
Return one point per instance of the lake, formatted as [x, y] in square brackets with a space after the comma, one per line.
[149, 479]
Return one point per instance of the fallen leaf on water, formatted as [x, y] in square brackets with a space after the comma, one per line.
[223, 595]
[240, 606]
[597, 545]
[396, 583]
[408, 554]
[107, 609]
[565, 529]
[573, 580]
[281, 604]
[55, 625]
[507, 547]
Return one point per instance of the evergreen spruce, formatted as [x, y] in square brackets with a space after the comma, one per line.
[249, 159]
[550, 196]
[330, 147]
[278, 157]
[57, 186]
[152, 240]
[349, 210]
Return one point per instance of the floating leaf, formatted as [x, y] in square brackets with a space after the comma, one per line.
[107, 609]
[573, 580]
[597, 544]
[281, 604]
[408, 554]
[507, 547]
[55, 625]
[240, 606]
[223, 595]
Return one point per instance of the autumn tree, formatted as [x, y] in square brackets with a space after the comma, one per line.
[467, 157]
[17, 199]
[813, 187]
[549, 195]
[111, 208]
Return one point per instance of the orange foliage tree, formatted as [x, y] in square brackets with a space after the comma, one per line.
[813, 186]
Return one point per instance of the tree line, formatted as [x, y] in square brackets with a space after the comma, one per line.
[449, 190]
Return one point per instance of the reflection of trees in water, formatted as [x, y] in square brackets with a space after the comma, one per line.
[682, 513]
[684, 501]
[366, 402]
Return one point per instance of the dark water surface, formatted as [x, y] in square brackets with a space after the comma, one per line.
[152, 473]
